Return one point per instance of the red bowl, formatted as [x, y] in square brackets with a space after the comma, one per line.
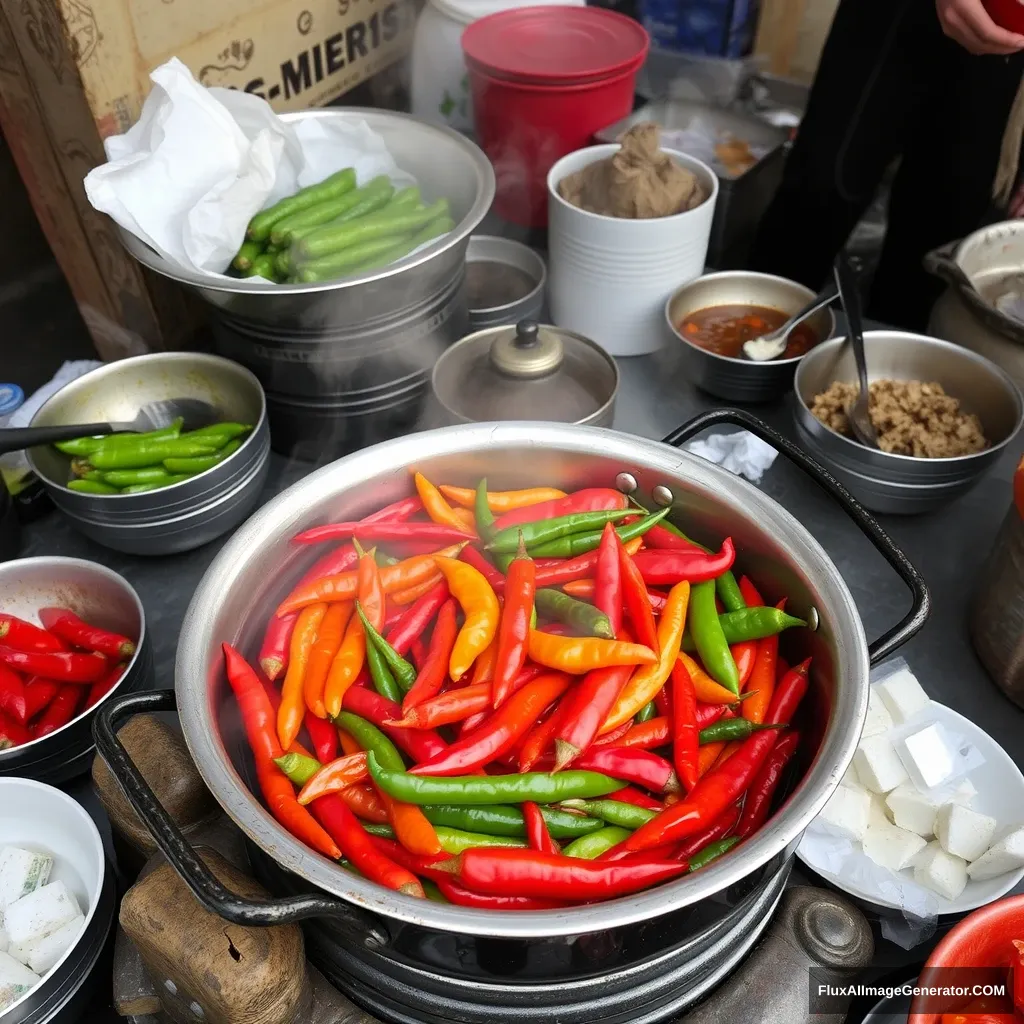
[1008, 14]
[983, 939]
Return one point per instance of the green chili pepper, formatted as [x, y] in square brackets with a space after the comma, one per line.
[400, 671]
[584, 617]
[431, 891]
[453, 840]
[539, 787]
[498, 820]
[709, 639]
[383, 559]
[614, 812]
[202, 463]
[299, 768]
[140, 488]
[91, 487]
[482, 512]
[728, 729]
[711, 852]
[147, 453]
[145, 475]
[88, 445]
[750, 624]
[383, 681]
[377, 746]
[581, 543]
[543, 531]
[591, 847]
[726, 586]
[647, 712]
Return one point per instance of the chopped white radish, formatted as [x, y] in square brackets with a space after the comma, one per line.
[940, 871]
[847, 810]
[4, 941]
[964, 832]
[902, 695]
[964, 793]
[879, 813]
[15, 980]
[891, 847]
[879, 721]
[42, 954]
[39, 913]
[21, 872]
[878, 765]
[927, 757]
[1003, 856]
[912, 809]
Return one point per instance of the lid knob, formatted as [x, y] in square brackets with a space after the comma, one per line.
[528, 352]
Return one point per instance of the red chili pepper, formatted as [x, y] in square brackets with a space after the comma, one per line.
[13, 700]
[38, 694]
[434, 670]
[587, 706]
[66, 625]
[100, 689]
[537, 834]
[659, 536]
[631, 795]
[60, 711]
[539, 738]
[63, 666]
[608, 579]
[373, 533]
[591, 499]
[638, 608]
[761, 684]
[744, 654]
[585, 590]
[697, 566]
[663, 702]
[655, 732]
[686, 746]
[472, 557]
[362, 800]
[500, 732]
[425, 865]
[12, 733]
[514, 626]
[750, 593]
[324, 735]
[463, 897]
[26, 636]
[724, 784]
[419, 744]
[418, 653]
[447, 708]
[759, 797]
[513, 872]
[565, 570]
[1017, 957]
[631, 764]
[719, 829]
[415, 619]
[471, 723]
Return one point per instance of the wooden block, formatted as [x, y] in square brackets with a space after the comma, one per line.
[206, 968]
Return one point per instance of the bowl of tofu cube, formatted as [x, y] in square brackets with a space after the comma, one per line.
[930, 816]
[57, 904]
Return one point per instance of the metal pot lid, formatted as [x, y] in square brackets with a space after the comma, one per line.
[525, 372]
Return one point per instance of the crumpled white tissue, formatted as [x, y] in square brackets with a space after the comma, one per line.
[739, 452]
[189, 175]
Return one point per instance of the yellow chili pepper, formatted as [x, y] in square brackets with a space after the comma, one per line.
[466, 517]
[578, 655]
[479, 604]
[347, 665]
[501, 501]
[707, 689]
[646, 682]
[328, 640]
[435, 505]
[292, 709]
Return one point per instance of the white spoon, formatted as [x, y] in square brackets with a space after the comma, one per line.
[773, 344]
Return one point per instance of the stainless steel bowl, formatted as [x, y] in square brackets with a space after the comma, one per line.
[902, 484]
[99, 596]
[485, 311]
[741, 380]
[182, 516]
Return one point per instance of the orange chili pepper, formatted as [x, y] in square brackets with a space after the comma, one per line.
[415, 592]
[483, 668]
[578, 655]
[501, 501]
[435, 505]
[371, 591]
[480, 606]
[707, 690]
[465, 516]
[513, 634]
[334, 777]
[761, 684]
[640, 690]
[707, 756]
[348, 745]
[328, 640]
[411, 827]
[730, 749]
[744, 654]
[346, 666]
[292, 709]
[362, 800]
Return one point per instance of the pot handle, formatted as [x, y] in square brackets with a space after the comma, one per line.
[197, 876]
[942, 263]
[865, 522]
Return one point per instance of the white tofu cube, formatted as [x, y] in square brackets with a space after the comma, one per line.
[964, 832]
[4, 941]
[847, 810]
[879, 813]
[878, 765]
[902, 695]
[15, 980]
[912, 809]
[21, 872]
[39, 913]
[1006, 855]
[940, 871]
[40, 956]
[879, 721]
[851, 778]
[926, 756]
[891, 847]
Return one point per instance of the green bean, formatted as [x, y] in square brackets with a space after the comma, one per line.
[246, 254]
[140, 488]
[201, 463]
[335, 185]
[385, 223]
[91, 487]
[130, 477]
[88, 445]
[147, 453]
[262, 266]
[283, 232]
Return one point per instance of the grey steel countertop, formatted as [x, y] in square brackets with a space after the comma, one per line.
[948, 547]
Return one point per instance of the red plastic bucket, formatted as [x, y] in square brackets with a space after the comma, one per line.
[1008, 14]
[543, 81]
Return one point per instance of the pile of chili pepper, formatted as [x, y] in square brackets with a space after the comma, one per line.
[520, 699]
[52, 673]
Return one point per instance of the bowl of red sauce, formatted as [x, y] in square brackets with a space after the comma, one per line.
[984, 955]
[711, 317]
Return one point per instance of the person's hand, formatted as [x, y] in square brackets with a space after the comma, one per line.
[968, 23]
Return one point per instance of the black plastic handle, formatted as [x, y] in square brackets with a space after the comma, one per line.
[196, 875]
[17, 439]
[920, 608]
[942, 263]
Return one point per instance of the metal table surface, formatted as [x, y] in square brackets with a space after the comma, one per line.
[947, 546]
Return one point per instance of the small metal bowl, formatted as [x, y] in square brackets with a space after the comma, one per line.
[741, 380]
[902, 484]
[38, 817]
[101, 597]
[489, 305]
[176, 518]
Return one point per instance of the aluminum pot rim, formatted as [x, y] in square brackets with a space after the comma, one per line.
[133, 664]
[531, 297]
[243, 286]
[768, 364]
[972, 462]
[196, 641]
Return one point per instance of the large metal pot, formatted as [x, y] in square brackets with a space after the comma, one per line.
[346, 363]
[632, 960]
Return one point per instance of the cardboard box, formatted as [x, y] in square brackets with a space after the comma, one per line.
[75, 71]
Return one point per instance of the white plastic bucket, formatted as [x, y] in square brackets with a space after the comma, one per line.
[609, 277]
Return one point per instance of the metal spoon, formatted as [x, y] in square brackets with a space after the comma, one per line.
[773, 344]
[195, 412]
[858, 413]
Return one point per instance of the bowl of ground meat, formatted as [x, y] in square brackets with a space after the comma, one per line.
[943, 415]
